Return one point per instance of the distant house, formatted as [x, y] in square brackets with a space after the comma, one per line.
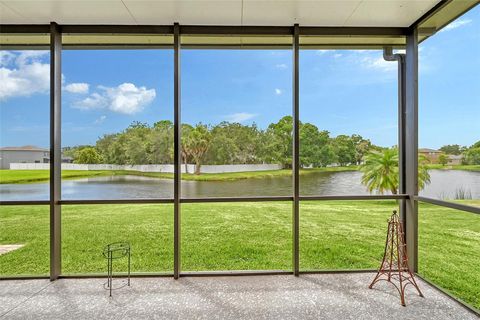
[454, 159]
[431, 154]
[26, 154]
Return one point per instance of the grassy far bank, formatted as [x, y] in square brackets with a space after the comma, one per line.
[469, 167]
[31, 176]
[241, 236]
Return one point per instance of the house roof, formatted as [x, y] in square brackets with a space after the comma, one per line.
[24, 148]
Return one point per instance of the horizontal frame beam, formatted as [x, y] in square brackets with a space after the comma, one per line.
[220, 273]
[206, 30]
[241, 199]
[206, 200]
[25, 203]
[355, 197]
[116, 201]
[452, 205]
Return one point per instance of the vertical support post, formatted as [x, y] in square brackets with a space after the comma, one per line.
[296, 152]
[411, 147]
[177, 154]
[55, 149]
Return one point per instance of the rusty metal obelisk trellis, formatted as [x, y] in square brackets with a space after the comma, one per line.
[395, 260]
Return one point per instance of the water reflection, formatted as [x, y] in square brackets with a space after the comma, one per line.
[444, 185]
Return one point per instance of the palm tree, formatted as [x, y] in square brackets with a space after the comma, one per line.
[380, 171]
[195, 143]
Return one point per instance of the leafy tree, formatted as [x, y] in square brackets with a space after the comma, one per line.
[278, 139]
[472, 156]
[362, 146]
[380, 171]
[137, 144]
[443, 159]
[344, 149]
[160, 142]
[476, 145]
[105, 145]
[88, 155]
[73, 151]
[234, 143]
[315, 148]
[451, 149]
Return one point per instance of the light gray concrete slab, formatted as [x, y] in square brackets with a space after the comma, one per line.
[320, 296]
[14, 292]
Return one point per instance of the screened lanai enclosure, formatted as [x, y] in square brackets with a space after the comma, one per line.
[238, 138]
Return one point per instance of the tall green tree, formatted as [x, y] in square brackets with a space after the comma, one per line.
[137, 143]
[472, 156]
[315, 148]
[362, 147]
[344, 149]
[234, 143]
[278, 139]
[160, 141]
[452, 149]
[88, 155]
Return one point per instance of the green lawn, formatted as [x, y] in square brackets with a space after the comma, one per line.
[30, 176]
[240, 236]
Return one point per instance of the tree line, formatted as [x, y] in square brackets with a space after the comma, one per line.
[235, 143]
[470, 155]
[224, 143]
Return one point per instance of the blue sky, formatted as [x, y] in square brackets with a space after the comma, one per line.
[341, 91]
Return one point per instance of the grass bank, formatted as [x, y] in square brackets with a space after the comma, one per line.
[241, 236]
[456, 167]
[31, 176]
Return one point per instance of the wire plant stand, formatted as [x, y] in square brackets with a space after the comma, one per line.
[115, 251]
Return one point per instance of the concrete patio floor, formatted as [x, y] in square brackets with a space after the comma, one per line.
[319, 296]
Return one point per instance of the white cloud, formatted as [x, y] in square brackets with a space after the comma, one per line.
[240, 117]
[23, 74]
[456, 24]
[281, 66]
[126, 98]
[100, 120]
[337, 55]
[94, 101]
[322, 52]
[278, 91]
[77, 87]
[378, 63]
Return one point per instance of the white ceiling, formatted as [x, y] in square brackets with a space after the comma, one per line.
[381, 13]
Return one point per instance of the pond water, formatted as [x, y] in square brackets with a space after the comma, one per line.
[444, 185]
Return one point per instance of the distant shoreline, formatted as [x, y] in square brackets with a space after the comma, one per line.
[37, 176]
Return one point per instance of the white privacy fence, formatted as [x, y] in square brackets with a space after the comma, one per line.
[164, 168]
